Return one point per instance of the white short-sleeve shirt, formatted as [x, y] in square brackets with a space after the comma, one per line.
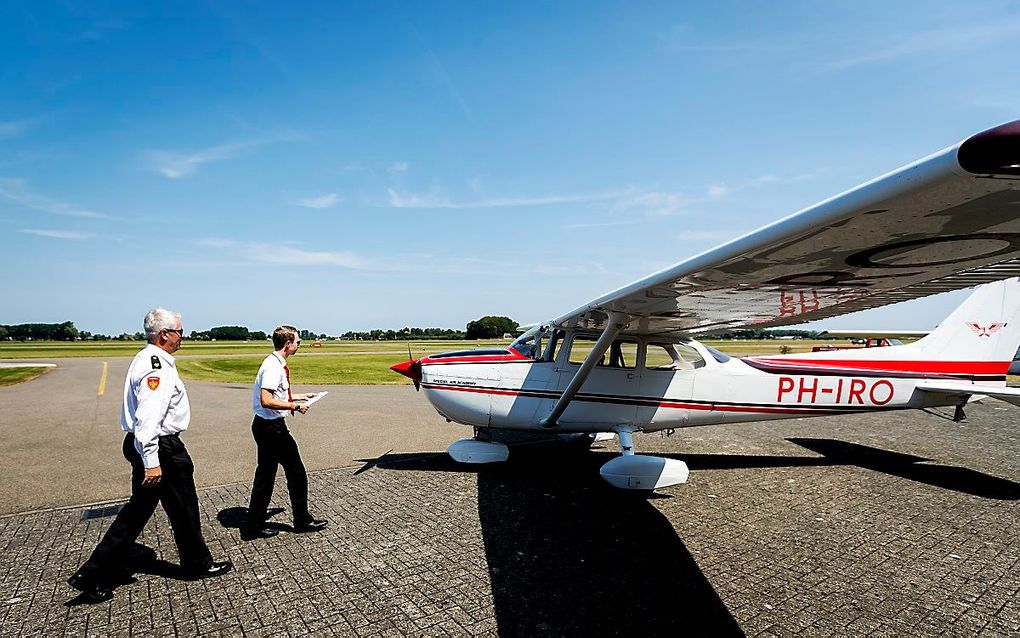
[272, 376]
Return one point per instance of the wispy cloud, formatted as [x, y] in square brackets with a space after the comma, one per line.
[931, 41]
[604, 224]
[320, 201]
[291, 256]
[434, 200]
[13, 128]
[178, 164]
[398, 167]
[13, 189]
[57, 234]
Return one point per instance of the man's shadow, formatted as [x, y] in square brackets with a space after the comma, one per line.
[569, 555]
[235, 518]
[140, 559]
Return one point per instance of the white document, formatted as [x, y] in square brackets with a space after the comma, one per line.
[315, 398]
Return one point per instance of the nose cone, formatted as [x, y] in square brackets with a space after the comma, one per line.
[410, 369]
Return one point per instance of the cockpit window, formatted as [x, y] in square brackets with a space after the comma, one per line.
[721, 357]
[672, 356]
[540, 343]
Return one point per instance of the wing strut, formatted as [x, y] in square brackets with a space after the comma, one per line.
[614, 324]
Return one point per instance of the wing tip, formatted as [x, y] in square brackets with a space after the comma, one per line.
[992, 152]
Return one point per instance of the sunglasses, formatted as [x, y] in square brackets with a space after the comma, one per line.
[179, 331]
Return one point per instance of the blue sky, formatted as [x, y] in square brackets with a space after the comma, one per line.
[347, 166]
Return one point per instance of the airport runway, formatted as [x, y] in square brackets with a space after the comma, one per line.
[882, 524]
[62, 439]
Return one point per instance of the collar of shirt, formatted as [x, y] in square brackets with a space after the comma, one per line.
[161, 353]
[279, 357]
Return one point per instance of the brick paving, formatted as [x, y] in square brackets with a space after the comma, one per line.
[888, 525]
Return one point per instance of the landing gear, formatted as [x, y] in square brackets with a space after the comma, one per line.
[478, 451]
[633, 472]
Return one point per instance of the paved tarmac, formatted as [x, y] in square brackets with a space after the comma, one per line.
[884, 524]
[62, 440]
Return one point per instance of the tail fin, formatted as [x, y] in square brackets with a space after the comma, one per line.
[985, 327]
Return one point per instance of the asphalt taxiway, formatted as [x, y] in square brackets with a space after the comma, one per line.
[881, 524]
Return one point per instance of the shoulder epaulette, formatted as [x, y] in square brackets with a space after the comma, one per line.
[156, 363]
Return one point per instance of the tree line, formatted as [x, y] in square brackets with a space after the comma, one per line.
[488, 327]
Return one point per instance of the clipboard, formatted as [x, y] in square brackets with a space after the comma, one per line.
[315, 398]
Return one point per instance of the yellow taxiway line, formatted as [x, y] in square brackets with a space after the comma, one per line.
[102, 381]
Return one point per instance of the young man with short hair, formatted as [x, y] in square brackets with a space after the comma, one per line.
[271, 401]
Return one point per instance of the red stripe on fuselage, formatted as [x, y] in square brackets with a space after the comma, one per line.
[710, 407]
[920, 367]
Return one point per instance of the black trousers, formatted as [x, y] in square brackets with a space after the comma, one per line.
[176, 491]
[277, 447]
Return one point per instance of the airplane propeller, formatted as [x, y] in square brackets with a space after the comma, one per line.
[410, 369]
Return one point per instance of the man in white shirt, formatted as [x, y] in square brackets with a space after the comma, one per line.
[155, 411]
[271, 401]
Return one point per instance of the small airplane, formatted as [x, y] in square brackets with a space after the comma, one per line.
[629, 362]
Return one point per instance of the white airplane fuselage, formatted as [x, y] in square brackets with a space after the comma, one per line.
[510, 391]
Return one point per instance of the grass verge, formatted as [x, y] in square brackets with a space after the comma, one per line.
[11, 376]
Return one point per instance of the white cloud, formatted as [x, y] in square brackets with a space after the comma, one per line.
[932, 41]
[178, 164]
[57, 234]
[399, 167]
[215, 242]
[434, 200]
[656, 202]
[14, 190]
[290, 256]
[319, 202]
[13, 128]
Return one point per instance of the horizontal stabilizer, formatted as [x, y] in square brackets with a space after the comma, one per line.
[1009, 395]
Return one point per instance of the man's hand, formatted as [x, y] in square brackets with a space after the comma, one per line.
[301, 408]
[152, 476]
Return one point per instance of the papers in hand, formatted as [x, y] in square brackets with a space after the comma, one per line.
[315, 398]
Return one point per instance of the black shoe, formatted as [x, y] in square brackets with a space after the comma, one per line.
[91, 591]
[311, 525]
[251, 533]
[216, 569]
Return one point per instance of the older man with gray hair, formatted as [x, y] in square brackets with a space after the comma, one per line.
[154, 413]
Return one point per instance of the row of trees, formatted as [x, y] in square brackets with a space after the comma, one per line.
[758, 334]
[489, 327]
[404, 334]
[36, 331]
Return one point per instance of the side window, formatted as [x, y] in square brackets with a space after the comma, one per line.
[672, 356]
[621, 354]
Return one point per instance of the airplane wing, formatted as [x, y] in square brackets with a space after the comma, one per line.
[1010, 395]
[948, 221]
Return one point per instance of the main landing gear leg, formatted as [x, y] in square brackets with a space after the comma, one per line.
[634, 472]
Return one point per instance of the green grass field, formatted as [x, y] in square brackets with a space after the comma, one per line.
[10, 376]
[332, 362]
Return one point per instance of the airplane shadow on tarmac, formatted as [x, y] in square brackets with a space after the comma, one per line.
[570, 555]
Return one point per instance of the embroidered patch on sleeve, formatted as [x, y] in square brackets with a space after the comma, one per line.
[153, 382]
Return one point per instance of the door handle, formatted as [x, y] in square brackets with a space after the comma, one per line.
[631, 375]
